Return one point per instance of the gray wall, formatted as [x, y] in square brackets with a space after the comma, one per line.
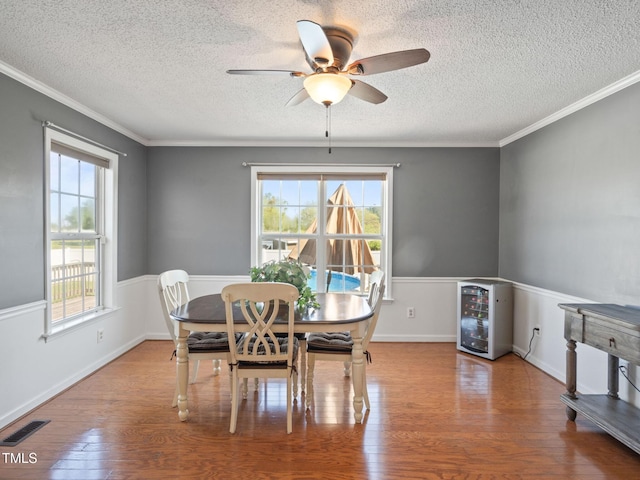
[445, 207]
[21, 191]
[189, 207]
[570, 203]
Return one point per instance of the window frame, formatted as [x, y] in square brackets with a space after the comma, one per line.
[387, 206]
[106, 216]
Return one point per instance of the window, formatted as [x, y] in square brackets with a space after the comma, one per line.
[335, 220]
[80, 230]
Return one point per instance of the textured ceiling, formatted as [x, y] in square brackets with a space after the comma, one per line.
[155, 70]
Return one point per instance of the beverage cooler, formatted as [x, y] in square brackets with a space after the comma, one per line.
[485, 317]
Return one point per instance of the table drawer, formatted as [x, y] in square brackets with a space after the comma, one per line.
[621, 343]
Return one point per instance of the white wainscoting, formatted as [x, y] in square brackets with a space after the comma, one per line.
[38, 371]
[35, 371]
[538, 307]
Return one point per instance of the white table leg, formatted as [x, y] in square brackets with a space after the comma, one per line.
[357, 366]
[182, 372]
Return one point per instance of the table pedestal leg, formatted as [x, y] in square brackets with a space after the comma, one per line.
[182, 372]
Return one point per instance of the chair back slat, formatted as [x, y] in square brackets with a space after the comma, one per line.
[375, 280]
[261, 305]
[261, 317]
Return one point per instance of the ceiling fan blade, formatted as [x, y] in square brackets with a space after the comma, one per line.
[388, 62]
[366, 92]
[315, 42]
[290, 73]
[298, 98]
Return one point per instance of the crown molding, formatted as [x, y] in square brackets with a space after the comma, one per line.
[77, 106]
[574, 107]
[69, 102]
[316, 144]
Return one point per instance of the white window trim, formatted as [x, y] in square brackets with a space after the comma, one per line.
[387, 226]
[110, 248]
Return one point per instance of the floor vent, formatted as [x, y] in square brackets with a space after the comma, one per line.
[31, 428]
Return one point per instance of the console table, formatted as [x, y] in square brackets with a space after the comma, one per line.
[616, 330]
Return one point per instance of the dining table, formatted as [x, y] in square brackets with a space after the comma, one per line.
[336, 312]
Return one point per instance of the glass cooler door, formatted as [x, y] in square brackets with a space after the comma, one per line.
[474, 321]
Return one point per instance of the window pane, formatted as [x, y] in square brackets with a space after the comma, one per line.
[270, 218]
[290, 193]
[290, 219]
[372, 220]
[87, 179]
[88, 215]
[74, 277]
[373, 193]
[271, 191]
[89, 255]
[376, 247]
[308, 217]
[90, 272]
[54, 215]
[308, 192]
[69, 213]
[69, 174]
[331, 187]
[337, 220]
[276, 249]
[354, 187]
[305, 251]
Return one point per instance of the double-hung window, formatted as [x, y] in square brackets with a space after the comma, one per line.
[80, 230]
[334, 220]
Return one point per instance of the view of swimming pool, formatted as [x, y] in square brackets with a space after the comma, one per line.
[340, 282]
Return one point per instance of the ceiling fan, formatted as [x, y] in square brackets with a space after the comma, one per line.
[327, 51]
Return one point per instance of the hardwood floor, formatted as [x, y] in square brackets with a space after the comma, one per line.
[435, 414]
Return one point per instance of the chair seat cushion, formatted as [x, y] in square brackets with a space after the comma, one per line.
[332, 342]
[284, 348]
[200, 342]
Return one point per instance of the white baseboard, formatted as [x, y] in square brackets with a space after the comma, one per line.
[414, 338]
[9, 417]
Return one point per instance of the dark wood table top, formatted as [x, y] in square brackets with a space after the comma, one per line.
[335, 308]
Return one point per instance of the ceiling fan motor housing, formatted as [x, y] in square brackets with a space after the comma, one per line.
[341, 41]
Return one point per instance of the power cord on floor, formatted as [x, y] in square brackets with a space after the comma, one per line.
[533, 335]
[625, 373]
[623, 368]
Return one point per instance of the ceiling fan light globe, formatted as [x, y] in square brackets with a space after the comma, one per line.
[327, 88]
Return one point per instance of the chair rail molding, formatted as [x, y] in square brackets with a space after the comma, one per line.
[11, 312]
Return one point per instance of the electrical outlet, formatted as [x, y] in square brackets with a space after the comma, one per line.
[100, 334]
[411, 312]
[537, 331]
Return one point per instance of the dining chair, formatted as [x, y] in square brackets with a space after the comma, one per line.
[338, 346]
[173, 291]
[376, 281]
[260, 353]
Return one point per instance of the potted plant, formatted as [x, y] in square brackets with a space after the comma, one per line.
[287, 271]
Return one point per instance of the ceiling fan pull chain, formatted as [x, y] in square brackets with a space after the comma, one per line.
[328, 131]
[326, 121]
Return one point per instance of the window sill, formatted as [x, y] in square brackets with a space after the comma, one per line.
[67, 327]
